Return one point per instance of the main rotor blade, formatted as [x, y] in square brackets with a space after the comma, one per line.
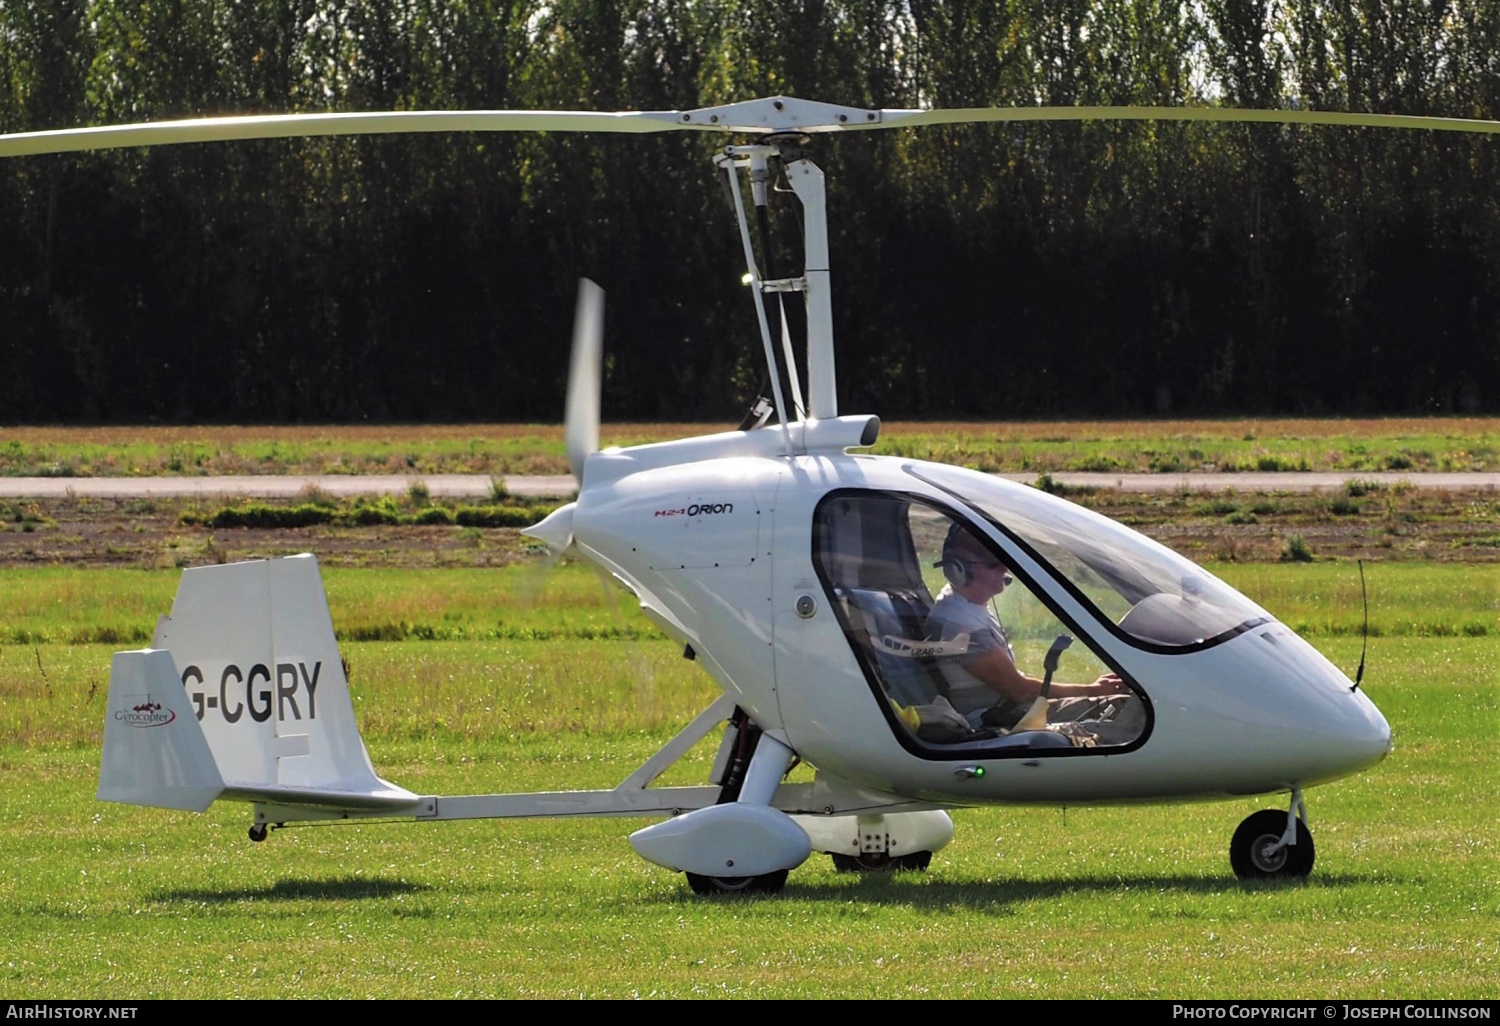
[752, 117]
[768, 116]
[982, 115]
[581, 424]
[286, 126]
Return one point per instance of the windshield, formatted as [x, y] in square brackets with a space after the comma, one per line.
[1150, 593]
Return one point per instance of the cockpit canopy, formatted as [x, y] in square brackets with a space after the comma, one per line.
[1142, 589]
[957, 649]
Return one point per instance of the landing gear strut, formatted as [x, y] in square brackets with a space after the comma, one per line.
[756, 834]
[1273, 845]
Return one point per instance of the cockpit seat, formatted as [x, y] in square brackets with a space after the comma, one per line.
[905, 662]
[892, 627]
[887, 619]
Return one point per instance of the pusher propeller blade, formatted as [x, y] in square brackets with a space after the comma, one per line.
[581, 430]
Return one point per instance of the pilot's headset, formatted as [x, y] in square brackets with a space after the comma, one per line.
[954, 566]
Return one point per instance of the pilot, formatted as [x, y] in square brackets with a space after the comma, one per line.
[984, 684]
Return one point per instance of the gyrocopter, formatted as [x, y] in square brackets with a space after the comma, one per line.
[853, 608]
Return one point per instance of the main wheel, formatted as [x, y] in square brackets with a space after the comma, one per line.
[1250, 850]
[880, 862]
[916, 862]
[767, 883]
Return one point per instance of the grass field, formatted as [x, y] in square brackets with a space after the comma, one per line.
[101, 900]
[63, 605]
[1418, 444]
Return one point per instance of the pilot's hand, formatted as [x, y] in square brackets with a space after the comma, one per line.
[1109, 681]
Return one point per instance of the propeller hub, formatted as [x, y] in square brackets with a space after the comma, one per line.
[556, 530]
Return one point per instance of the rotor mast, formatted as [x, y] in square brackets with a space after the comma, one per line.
[807, 181]
[785, 123]
[815, 283]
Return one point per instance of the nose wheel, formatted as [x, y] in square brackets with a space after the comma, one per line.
[1273, 845]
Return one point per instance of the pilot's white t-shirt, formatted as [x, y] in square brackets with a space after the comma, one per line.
[952, 615]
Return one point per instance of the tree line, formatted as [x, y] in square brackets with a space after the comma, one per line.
[1036, 270]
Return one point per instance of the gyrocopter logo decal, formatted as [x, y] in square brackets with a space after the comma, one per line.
[144, 711]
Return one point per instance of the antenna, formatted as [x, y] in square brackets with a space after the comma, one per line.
[1359, 674]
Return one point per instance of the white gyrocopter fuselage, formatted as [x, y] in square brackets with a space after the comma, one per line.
[811, 582]
[804, 584]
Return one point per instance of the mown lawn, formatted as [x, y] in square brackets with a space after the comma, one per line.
[113, 901]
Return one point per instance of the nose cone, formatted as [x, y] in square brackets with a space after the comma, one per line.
[1266, 711]
[1342, 731]
[1361, 737]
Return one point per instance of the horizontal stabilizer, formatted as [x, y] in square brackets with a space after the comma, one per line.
[388, 799]
[154, 750]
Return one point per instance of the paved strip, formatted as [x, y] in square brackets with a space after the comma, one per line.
[1255, 481]
[468, 486]
[275, 486]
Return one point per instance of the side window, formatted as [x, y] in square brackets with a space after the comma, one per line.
[953, 643]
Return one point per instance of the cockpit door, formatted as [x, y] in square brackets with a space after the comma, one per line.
[960, 652]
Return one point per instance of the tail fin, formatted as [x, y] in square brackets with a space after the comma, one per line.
[253, 648]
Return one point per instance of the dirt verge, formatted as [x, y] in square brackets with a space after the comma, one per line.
[1379, 524]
